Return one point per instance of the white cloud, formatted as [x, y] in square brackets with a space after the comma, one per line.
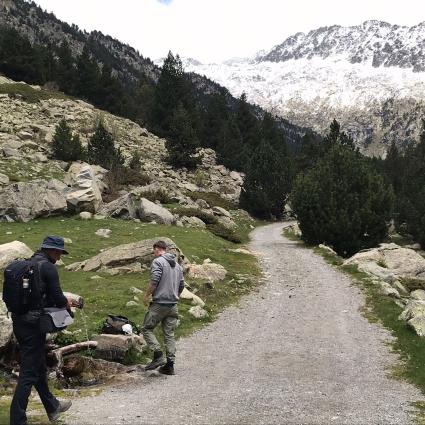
[214, 30]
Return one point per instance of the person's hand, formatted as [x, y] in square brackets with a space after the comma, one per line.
[146, 300]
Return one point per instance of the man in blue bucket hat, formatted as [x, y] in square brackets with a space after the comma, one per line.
[33, 370]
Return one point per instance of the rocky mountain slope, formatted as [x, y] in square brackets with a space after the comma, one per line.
[128, 64]
[33, 184]
[370, 77]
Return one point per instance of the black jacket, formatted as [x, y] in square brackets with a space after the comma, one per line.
[54, 296]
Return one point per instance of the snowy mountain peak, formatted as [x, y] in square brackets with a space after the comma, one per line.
[373, 42]
[370, 77]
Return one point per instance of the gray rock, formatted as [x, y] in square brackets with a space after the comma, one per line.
[221, 212]
[418, 325]
[198, 312]
[4, 180]
[85, 194]
[26, 201]
[122, 255]
[150, 211]
[207, 271]
[192, 222]
[126, 207]
[226, 222]
[13, 250]
[388, 290]
[202, 204]
[104, 233]
[11, 153]
[418, 294]
[39, 157]
[25, 135]
[85, 215]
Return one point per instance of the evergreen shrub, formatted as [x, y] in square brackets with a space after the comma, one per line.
[343, 202]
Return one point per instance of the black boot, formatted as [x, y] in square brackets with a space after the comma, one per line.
[158, 360]
[168, 368]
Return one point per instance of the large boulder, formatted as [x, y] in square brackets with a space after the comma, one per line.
[120, 256]
[126, 207]
[26, 201]
[150, 211]
[13, 250]
[84, 194]
[115, 347]
[6, 330]
[392, 260]
[207, 271]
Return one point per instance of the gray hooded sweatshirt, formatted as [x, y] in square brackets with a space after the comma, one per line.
[167, 276]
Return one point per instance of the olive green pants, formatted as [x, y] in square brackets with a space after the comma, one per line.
[168, 317]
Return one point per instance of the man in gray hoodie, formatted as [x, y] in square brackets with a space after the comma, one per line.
[166, 285]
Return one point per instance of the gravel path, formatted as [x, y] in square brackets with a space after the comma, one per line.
[296, 352]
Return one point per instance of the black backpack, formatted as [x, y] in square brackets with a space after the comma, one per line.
[113, 325]
[22, 286]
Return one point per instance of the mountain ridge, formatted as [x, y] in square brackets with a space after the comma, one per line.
[378, 100]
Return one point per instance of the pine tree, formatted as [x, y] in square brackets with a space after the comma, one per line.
[231, 151]
[343, 202]
[66, 71]
[336, 137]
[66, 147]
[101, 149]
[88, 76]
[412, 192]
[215, 119]
[182, 142]
[169, 93]
[247, 123]
[135, 161]
[267, 182]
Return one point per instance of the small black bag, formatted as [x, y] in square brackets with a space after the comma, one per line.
[55, 320]
[113, 325]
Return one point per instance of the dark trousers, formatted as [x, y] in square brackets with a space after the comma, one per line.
[33, 372]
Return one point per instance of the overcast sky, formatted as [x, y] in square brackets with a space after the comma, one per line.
[216, 30]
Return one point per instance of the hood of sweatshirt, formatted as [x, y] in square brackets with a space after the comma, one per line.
[171, 258]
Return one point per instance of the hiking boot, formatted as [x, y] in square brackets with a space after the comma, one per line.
[168, 368]
[63, 407]
[158, 360]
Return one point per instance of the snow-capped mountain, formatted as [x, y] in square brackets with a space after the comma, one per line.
[369, 77]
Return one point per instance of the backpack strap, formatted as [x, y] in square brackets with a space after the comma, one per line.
[39, 286]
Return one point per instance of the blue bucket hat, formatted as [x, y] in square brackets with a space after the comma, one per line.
[54, 242]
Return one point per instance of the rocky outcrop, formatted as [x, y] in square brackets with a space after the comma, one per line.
[26, 201]
[390, 262]
[128, 256]
[125, 207]
[13, 250]
[149, 211]
[84, 193]
[387, 266]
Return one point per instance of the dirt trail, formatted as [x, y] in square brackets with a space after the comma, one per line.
[296, 352]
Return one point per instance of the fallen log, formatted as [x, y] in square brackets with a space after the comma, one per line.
[56, 356]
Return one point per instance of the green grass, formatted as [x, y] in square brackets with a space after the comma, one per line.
[28, 93]
[111, 293]
[381, 309]
[24, 170]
